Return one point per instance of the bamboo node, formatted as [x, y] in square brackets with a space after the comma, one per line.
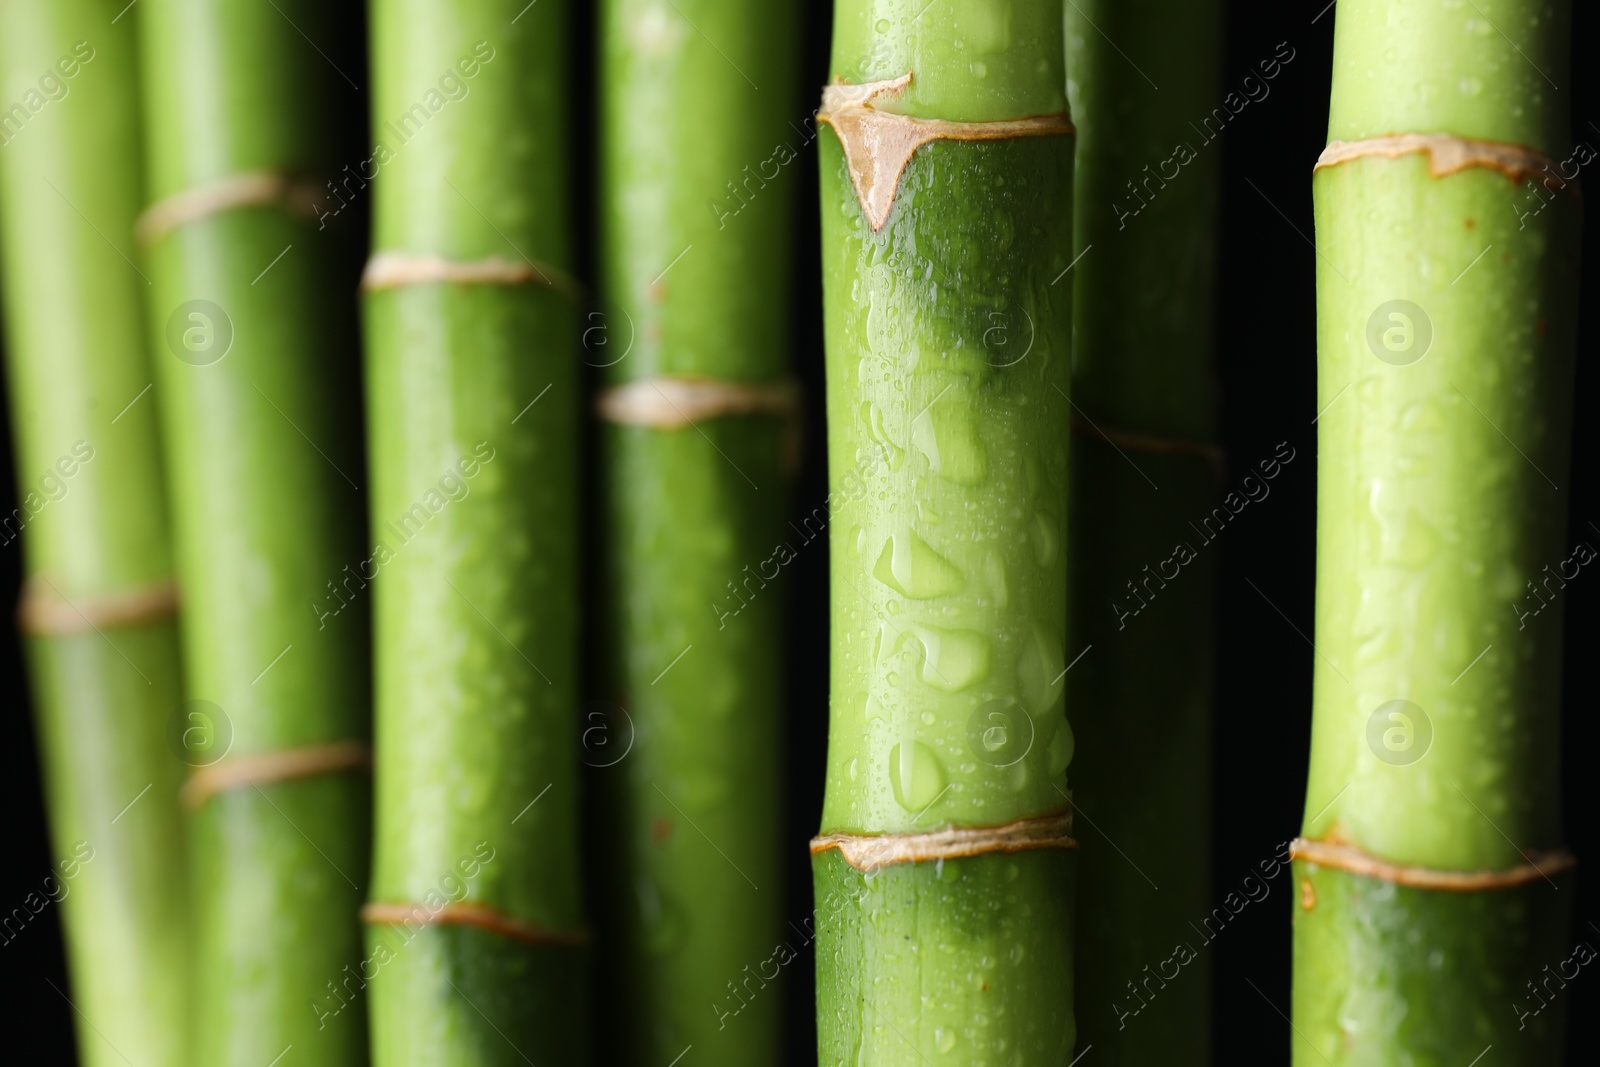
[1448, 154]
[466, 913]
[296, 194]
[1141, 442]
[286, 765]
[868, 852]
[394, 269]
[1350, 858]
[43, 610]
[878, 145]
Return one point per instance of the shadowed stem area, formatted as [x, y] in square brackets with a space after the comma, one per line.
[947, 457]
[696, 208]
[473, 400]
[93, 527]
[251, 324]
[1141, 576]
[1446, 322]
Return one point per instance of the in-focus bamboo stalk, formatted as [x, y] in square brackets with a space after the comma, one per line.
[696, 198]
[253, 332]
[476, 933]
[942, 875]
[1432, 888]
[1143, 469]
[98, 601]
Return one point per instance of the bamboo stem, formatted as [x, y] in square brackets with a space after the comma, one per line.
[1142, 471]
[250, 316]
[1446, 315]
[103, 657]
[476, 926]
[948, 463]
[696, 198]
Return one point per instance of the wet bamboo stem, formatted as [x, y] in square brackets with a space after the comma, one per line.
[696, 198]
[1144, 205]
[253, 336]
[1446, 323]
[948, 352]
[473, 403]
[92, 521]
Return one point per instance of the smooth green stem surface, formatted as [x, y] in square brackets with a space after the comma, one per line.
[948, 350]
[92, 523]
[1446, 324]
[252, 327]
[473, 399]
[696, 200]
[1141, 575]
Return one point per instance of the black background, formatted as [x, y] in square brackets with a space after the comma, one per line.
[1265, 350]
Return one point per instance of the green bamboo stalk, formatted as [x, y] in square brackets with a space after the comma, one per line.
[476, 924]
[254, 333]
[1446, 325]
[696, 197]
[102, 640]
[1142, 577]
[948, 367]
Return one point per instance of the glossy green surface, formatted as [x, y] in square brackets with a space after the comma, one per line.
[1487, 69]
[970, 60]
[948, 350]
[962, 962]
[92, 522]
[696, 203]
[1140, 698]
[472, 396]
[1429, 976]
[262, 443]
[1443, 458]
[445, 982]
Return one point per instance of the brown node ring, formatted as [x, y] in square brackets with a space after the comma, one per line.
[1448, 154]
[311, 761]
[43, 610]
[394, 269]
[466, 913]
[679, 403]
[878, 144]
[1350, 858]
[868, 852]
[297, 194]
[1140, 442]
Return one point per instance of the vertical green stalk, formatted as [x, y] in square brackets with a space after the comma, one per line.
[253, 335]
[97, 604]
[476, 924]
[695, 200]
[1142, 470]
[943, 870]
[1431, 902]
